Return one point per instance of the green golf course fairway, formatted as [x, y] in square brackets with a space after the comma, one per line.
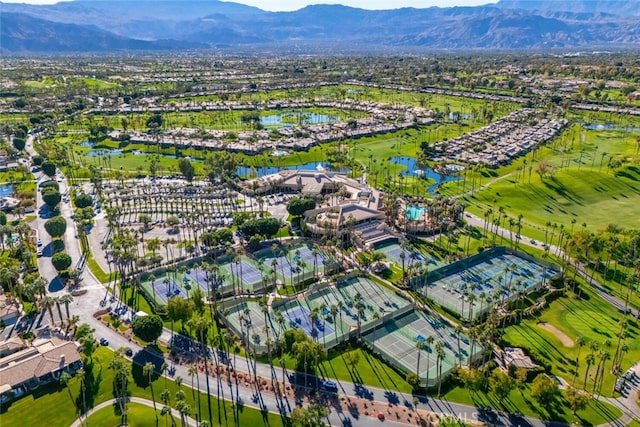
[591, 197]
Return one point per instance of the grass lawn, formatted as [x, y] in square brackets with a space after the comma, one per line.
[583, 187]
[634, 423]
[137, 416]
[36, 409]
[101, 275]
[368, 369]
[597, 412]
[588, 317]
[594, 197]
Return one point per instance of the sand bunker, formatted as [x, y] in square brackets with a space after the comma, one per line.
[564, 339]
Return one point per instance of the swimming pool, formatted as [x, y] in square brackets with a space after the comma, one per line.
[413, 213]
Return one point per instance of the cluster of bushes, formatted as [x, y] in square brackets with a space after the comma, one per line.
[267, 227]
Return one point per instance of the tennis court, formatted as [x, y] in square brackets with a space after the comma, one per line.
[300, 318]
[467, 285]
[247, 271]
[296, 263]
[394, 251]
[199, 276]
[248, 318]
[164, 291]
[356, 300]
[397, 340]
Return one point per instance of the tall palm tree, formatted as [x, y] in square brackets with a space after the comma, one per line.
[591, 358]
[428, 342]
[47, 302]
[120, 384]
[376, 317]
[458, 331]
[420, 346]
[580, 342]
[80, 374]
[64, 380]
[56, 301]
[165, 397]
[147, 370]
[439, 358]
[66, 299]
[201, 326]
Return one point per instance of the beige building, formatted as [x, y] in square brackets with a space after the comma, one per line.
[37, 365]
[9, 311]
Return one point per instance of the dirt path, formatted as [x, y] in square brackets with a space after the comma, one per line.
[564, 339]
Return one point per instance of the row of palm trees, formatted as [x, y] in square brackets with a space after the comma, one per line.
[426, 346]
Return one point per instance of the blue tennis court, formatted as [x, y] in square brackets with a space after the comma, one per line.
[251, 276]
[199, 277]
[164, 291]
[300, 317]
[307, 255]
[285, 268]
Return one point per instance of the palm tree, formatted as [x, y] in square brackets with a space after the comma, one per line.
[47, 302]
[428, 343]
[201, 326]
[419, 346]
[64, 380]
[591, 358]
[439, 358]
[147, 370]
[80, 374]
[458, 330]
[66, 299]
[376, 317]
[120, 383]
[580, 342]
[152, 279]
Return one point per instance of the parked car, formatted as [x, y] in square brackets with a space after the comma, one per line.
[104, 341]
[328, 385]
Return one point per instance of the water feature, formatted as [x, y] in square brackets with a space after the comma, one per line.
[98, 153]
[414, 169]
[290, 119]
[245, 171]
[414, 213]
[6, 190]
[608, 126]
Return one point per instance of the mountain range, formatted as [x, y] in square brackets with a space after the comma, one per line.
[147, 25]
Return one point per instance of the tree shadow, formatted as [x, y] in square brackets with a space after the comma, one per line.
[140, 359]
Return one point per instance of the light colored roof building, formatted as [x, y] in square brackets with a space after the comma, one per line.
[9, 312]
[46, 357]
[516, 357]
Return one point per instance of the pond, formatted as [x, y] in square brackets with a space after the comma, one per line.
[416, 170]
[291, 119]
[608, 126]
[6, 190]
[245, 171]
[98, 153]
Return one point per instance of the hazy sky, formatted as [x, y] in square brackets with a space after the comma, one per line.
[298, 4]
